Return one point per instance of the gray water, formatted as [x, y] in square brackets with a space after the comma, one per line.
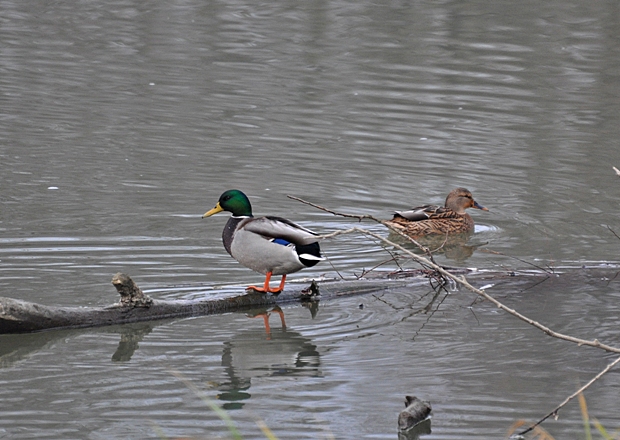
[122, 122]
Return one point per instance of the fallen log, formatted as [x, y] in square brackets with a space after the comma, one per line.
[18, 316]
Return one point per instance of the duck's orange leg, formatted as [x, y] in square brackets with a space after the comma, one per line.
[266, 288]
[281, 286]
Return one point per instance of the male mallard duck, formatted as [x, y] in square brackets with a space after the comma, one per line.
[432, 219]
[269, 245]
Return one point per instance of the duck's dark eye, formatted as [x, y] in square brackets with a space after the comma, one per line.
[225, 198]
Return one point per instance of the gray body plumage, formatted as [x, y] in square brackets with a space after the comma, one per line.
[249, 240]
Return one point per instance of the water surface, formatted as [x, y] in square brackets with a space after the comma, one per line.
[121, 124]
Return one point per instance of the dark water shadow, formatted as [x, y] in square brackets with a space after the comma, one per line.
[17, 347]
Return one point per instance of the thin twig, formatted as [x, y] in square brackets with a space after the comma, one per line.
[445, 240]
[332, 265]
[613, 232]
[340, 214]
[366, 272]
[369, 217]
[430, 311]
[618, 237]
[616, 170]
[554, 413]
[518, 259]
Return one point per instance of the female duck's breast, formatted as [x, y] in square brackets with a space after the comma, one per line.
[262, 255]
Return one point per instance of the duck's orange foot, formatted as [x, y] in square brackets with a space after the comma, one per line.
[266, 288]
[263, 290]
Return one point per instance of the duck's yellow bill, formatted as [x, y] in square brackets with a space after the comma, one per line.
[215, 210]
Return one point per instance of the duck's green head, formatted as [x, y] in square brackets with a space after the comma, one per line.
[233, 201]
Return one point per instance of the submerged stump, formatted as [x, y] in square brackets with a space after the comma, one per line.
[415, 412]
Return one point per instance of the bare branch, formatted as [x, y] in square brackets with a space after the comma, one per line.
[369, 217]
[518, 259]
[613, 232]
[359, 217]
[554, 413]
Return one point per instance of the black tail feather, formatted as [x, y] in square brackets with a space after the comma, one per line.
[312, 249]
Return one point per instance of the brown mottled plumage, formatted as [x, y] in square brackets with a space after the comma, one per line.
[432, 219]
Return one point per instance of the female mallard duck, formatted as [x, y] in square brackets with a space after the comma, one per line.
[269, 245]
[432, 219]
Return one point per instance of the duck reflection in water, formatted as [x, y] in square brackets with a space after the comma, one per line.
[249, 355]
[265, 313]
[455, 247]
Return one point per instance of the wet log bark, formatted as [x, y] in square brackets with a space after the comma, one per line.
[18, 316]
